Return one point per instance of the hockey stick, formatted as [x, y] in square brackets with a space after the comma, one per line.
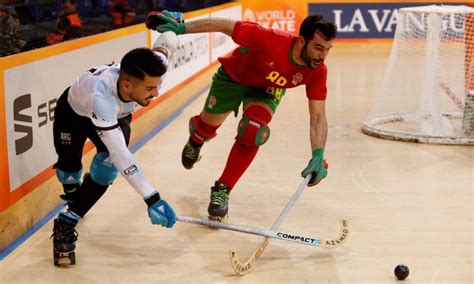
[297, 238]
[246, 267]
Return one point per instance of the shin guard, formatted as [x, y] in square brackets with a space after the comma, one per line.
[87, 196]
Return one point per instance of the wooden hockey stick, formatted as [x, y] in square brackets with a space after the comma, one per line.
[246, 267]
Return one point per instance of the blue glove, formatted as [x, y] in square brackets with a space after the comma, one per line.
[160, 212]
[317, 166]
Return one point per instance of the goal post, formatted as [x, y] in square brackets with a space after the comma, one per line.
[427, 94]
[468, 115]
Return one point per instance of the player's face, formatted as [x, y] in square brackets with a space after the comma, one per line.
[315, 51]
[145, 91]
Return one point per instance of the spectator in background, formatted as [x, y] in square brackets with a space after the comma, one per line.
[122, 14]
[9, 25]
[68, 25]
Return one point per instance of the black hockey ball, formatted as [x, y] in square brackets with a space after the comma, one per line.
[401, 271]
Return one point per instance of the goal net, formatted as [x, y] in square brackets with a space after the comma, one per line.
[427, 94]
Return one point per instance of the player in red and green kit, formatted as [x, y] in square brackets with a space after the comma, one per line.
[256, 75]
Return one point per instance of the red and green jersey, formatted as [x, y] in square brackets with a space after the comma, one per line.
[264, 59]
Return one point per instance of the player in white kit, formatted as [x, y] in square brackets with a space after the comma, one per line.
[99, 106]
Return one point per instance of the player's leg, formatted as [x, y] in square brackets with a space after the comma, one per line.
[202, 128]
[253, 131]
[224, 97]
[101, 174]
[69, 138]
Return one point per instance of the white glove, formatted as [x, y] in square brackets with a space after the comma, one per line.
[169, 41]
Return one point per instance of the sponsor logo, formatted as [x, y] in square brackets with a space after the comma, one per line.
[379, 20]
[297, 79]
[23, 120]
[274, 19]
[219, 40]
[108, 162]
[131, 170]
[298, 238]
[270, 64]
[188, 51]
[212, 102]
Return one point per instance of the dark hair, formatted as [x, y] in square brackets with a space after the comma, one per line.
[317, 22]
[141, 61]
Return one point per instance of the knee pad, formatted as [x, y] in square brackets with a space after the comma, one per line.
[69, 178]
[103, 171]
[200, 131]
[253, 129]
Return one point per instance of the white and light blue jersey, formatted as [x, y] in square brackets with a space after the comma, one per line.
[95, 95]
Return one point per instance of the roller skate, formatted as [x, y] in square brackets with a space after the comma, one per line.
[218, 206]
[190, 154]
[64, 240]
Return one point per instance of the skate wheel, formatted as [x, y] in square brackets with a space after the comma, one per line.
[222, 219]
[66, 258]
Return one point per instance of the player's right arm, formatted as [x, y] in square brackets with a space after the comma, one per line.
[109, 132]
[222, 25]
[163, 22]
[248, 34]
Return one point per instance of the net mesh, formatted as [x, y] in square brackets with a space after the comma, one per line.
[428, 90]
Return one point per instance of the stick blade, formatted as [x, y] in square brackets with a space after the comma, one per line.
[241, 268]
[341, 239]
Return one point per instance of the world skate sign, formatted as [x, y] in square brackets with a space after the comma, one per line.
[273, 19]
[277, 14]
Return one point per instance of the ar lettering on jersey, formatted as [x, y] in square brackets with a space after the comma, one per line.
[276, 78]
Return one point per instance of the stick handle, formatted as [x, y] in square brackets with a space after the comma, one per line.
[306, 240]
[290, 203]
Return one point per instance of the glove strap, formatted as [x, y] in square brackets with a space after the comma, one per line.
[153, 199]
[318, 152]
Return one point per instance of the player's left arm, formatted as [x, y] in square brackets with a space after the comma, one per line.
[318, 124]
[318, 135]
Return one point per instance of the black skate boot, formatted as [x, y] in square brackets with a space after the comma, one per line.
[218, 206]
[190, 154]
[64, 240]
